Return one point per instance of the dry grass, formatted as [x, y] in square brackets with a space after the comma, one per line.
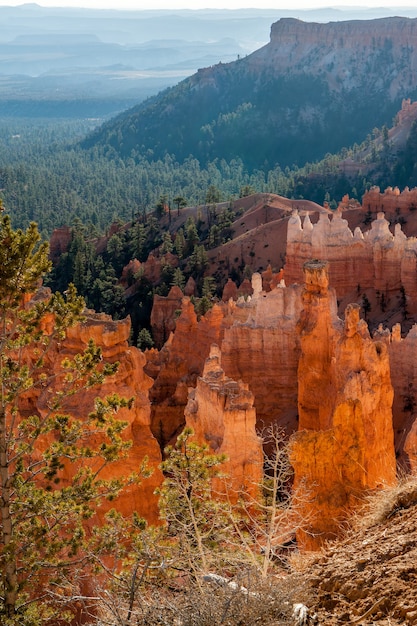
[383, 504]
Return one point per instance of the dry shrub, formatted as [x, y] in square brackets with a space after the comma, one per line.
[248, 601]
[383, 504]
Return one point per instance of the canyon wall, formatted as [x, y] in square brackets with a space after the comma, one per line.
[261, 348]
[178, 364]
[392, 201]
[345, 395]
[335, 51]
[376, 259]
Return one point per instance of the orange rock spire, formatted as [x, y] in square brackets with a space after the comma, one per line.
[345, 443]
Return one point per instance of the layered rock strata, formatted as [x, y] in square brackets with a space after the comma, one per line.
[129, 381]
[261, 348]
[177, 365]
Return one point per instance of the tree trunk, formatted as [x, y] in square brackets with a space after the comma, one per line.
[9, 568]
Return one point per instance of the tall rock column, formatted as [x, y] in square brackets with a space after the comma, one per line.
[345, 443]
[318, 327]
[221, 413]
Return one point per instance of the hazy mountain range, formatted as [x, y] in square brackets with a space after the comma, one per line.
[75, 62]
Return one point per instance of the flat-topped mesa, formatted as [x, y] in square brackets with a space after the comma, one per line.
[349, 33]
[335, 51]
[345, 443]
[220, 411]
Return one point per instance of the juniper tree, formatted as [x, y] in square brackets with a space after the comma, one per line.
[42, 512]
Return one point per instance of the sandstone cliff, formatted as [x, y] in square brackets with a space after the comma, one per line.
[178, 364]
[377, 259]
[337, 50]
[260, 347]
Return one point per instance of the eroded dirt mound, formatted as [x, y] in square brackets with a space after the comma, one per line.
[371, 576]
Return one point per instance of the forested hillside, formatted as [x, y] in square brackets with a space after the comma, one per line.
[45, 176]
[292, 101]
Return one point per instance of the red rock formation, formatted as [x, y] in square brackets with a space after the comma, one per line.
[403, 362]
[221, 413]
[245, 288]
[129, 272]
[164, 315]
[59, 242]
[329, 239]
[345, 443]
[270, 280]
[318, 327]
[260, 346]
[377, 259]
[181, 360]
[391, 201]
[152, 269]
[190, 288]
[129, 381]
[229, 291]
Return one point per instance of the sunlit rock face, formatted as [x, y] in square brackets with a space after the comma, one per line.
[345, 443]
[129, 381]
[176, 366]
[221, 413]
[381, 258]
[261, 347]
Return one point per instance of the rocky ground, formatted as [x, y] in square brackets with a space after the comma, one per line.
[371, 576]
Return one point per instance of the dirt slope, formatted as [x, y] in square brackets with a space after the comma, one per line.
[371, 576]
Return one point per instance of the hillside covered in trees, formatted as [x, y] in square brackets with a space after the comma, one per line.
[289, 102]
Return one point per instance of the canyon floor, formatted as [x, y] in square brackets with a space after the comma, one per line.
[370, 577]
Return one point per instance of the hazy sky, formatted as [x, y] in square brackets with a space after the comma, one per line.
[214, 4]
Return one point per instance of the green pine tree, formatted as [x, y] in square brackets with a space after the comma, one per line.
[42, 514]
